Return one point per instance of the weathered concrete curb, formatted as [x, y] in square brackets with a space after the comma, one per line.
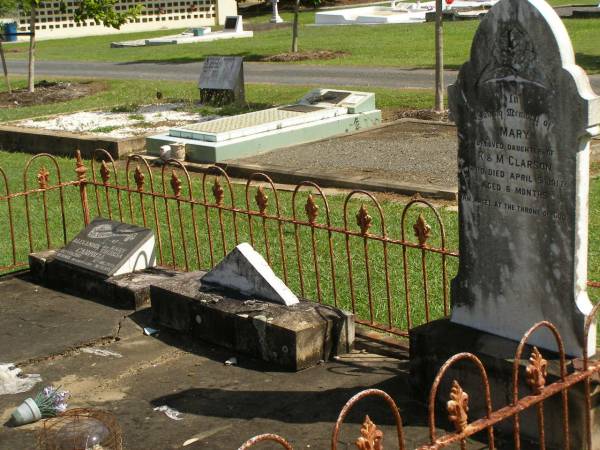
[283, 176]
[279, 175]
[292, 337]
[63, 143]
[128, 291]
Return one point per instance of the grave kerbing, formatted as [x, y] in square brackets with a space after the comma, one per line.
[525, 114]
[244, 270]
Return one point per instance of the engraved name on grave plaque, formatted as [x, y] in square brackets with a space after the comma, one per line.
[110, 248]
[524, 113]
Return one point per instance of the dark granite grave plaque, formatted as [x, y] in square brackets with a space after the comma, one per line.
[231, 23]
[110, 248]
[525, 114]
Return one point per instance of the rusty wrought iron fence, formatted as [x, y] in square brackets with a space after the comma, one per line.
[391, 269]
[535, 374]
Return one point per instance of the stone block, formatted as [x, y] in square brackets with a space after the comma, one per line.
[431, 345]
[129, 291]
[291, 337]
[15, 138]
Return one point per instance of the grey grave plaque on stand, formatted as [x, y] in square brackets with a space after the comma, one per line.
[110, 248]
[525, 114]
[222, 80]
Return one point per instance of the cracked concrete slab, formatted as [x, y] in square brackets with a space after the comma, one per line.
[38, 322]
[221, 405]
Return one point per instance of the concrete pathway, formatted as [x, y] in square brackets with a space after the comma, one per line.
[365, 77]
[221, 405]
[391, 77]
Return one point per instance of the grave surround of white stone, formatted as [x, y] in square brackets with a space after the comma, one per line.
[525, 113]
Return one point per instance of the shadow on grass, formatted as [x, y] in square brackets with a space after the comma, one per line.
[191, 60]
[587, 62]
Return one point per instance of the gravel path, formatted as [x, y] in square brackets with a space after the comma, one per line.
[409, 152]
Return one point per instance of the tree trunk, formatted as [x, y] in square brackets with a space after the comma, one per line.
[295, 27]
[31, 73]
[5, 68]
[439, 57]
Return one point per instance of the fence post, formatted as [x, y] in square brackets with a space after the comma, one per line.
[81, 171]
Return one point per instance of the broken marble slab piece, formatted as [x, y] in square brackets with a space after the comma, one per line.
[244, 270]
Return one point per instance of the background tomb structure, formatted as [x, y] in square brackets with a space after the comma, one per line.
[53, 23]
[320, 114]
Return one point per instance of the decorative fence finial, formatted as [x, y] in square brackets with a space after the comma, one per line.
[218, 192]
[80, 168]
[312, 209]
[422, 230]
[458, 406]
[371, 437]
[261, 199]
[104, 172]
[536, 372]
[43, 177]
[175, 184]
[363, 220]
[139, 177]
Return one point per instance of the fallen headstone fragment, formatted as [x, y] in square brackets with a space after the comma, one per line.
[244, 270]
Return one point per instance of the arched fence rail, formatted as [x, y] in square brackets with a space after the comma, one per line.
[389, 264]
[482, 429]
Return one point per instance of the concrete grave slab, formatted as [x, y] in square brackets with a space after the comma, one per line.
[321, 113]
[129, 291]
[291, 337]
[245, 270]
[525, 114]
[37, 322]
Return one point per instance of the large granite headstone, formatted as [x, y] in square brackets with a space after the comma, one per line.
[110, 248]
[222, 80]
[525, 113]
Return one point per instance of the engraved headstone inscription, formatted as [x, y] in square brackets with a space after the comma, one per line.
[222, 80]
[110, 248]
[525, 114]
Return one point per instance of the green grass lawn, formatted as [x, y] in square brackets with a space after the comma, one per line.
[302, 263]
[141, 92]
[399, 45]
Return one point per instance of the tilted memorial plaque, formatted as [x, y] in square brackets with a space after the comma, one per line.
[525, 114]
[110, 248]
[222, 80]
